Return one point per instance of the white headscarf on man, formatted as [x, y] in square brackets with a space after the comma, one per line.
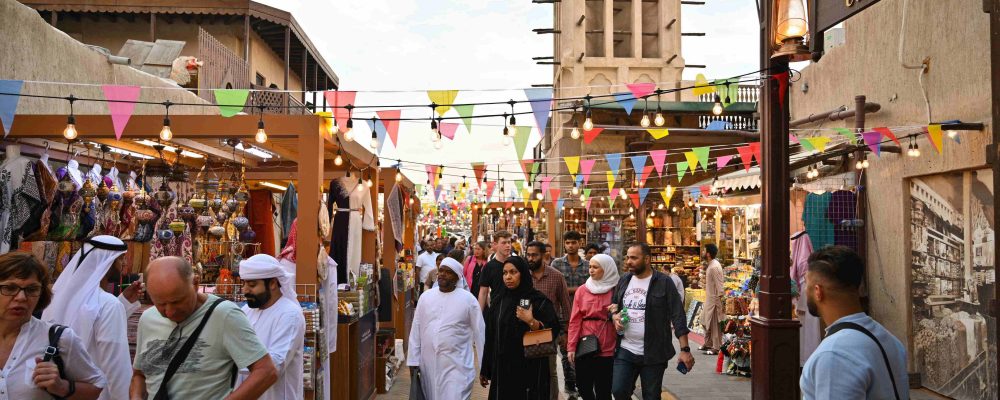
[263, 266]
[74, 295]
[610, 278]
[456, 266]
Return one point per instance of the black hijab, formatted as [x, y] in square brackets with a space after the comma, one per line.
[507, 302]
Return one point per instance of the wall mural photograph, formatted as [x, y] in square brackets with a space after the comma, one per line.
[952, 283]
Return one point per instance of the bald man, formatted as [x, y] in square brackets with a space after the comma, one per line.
[223, 342]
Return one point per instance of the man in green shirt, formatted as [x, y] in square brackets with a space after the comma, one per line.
[226, 343]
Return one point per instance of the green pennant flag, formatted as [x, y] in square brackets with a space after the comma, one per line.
[681, 170]
[702, 154]
[845, 132]
[586, 193]
[806, 144]
[519, 184]
[534, 170]
[465, 112]
[231, 101]
[722, 89]
[734, 89]
[521, 140]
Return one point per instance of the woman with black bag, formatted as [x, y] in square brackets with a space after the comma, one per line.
[39, 360]
[591, 334]
[520, 330]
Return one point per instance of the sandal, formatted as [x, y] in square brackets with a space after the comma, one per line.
[711, 352]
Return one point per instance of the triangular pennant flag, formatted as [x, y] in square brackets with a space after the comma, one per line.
[692, 160]
[526, 196]
[526, 168]
[819, 143]
[614, 161]
[612, 195]
[431, 173]
[338, 100]
[589, 136]
[519, 184]
[695, 193]
[807, 144]
[643, 192]
[701, 86]
[706, 189]
[718, 125]
[626, 100]
[443, 98]
[559, 204]
[746, 156]
[755, 150]
[546, 181]
[722, 161]
[380, 133]
[635, 199]
[658, 157]
[572, 165]
[541, 104]
[782, 78]
[667, 193]
[586, 194]
[465, 111]
[874, 141]
[534, 169]
[722, 89]
[489, 189]
[534, 206]
[230, 101]
[640, 90]
[390, 120]
[934, 134]
[658, 133]
[521, 140]
[734, 90]
[8, 103]
[646, 172]
[479, 169]
[702, 153]
[586, 166]
[682, 168]
[437, 192]
[448, 129]
[121, 105]
[554, 193]
[587, 203]
[888, 133]
[507, 204]
[845, 132]
[611, 179]
[792, 138]
[638, 164]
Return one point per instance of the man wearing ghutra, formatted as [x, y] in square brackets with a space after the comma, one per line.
[96, 316]
[446, 324]
[276, 316]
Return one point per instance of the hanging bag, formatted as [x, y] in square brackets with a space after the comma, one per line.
[181, 355]
[539, 344]
[589, 345]
[52, 355]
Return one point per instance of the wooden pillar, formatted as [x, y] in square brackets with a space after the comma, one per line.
[474, 236]
[310, 179]
[993, 150]
[54, 19]
[152, 27]
[609, 28]
[246, 42]
[774, 334]
[288, 56]
[305, 74]
[636, 30]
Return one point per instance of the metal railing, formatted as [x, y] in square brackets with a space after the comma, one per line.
[745, 94]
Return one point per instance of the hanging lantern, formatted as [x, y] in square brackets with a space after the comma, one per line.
[790, 30]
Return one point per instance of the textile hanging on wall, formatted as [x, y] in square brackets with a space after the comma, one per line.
[814, 216]
[395, 206]
[843, 208]
[289, 210]
[352, 211]
[262, 220]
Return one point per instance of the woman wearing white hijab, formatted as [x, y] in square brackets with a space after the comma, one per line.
[591, 319]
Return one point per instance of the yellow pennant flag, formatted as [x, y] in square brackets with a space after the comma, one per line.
[692, 160]
[526, 196]
[534, 205]
[934, 133]
[442, 97]
[701, 86]
[573, 165]
[818, 143]
[611, 179]
[658, 133]
[667, 194]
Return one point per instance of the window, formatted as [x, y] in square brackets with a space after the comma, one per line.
[259, 80]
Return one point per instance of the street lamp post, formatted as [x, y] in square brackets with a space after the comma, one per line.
[774, 334]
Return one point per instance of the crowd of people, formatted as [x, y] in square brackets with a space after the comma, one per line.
[523, 310]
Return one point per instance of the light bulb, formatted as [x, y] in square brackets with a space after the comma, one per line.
[369, 182]
[576, 190]
[594, 219]
[575, 133]
[399, 176]
[506, 140]
[644, 122]
[539, 195]
[374, 143]
[361, 184]
[717, 108]
[660, 206]
[916, 151]
[602, 211]
[438, 144]
[674, 208]
[952, 133]
[349, 135]
[70, 131]
[261, 136]
[864, 163]
[339, 160]
[588, 124]
[166, 134]
[624, 195]
[571, 211]
[582, 197]
[659, 120]
[652, 213]
[560, 220]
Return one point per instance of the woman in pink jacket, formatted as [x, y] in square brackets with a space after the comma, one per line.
[474, 265]
[590, 317]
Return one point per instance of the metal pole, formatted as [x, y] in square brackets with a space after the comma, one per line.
[993, 153]
[774, 334]
[862, 210]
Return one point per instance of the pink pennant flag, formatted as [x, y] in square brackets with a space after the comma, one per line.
[585, 167]
[874, 141]
[546, 181]
[722, 161]
[338, 99]
[120, 105]
[448, 129]
[589, 136]
[640, 90]
[658, 157]
[792, 138]
[746, 155]
[431, 173]
[613, 194]
[390, 120]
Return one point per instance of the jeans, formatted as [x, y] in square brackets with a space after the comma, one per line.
[627, 368]
[593, 377]
[569, 373]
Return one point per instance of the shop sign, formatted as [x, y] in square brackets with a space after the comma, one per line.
[824, 14]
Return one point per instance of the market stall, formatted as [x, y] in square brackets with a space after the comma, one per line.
[529, 223]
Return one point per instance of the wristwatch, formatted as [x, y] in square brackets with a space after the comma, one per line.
[685, 349]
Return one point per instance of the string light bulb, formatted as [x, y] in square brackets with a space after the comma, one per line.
[864, 163]
[70, 132]
[361, 184]
[348, 132]
[575, 133]
[644, 122]
[952, 133]
[582, 198]
[399, 174]
[588, 122]
[339, 160]
[576, 190]
[369, 182]
[438, 144]
[165, 133]
[717, 107]
[512, 120]
[659, 120]
[539, 195]
[374, 142]
[858, 165]
[506, 131]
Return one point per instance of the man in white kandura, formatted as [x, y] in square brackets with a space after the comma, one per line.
[276, 316]
[446, 324]
[96, 316]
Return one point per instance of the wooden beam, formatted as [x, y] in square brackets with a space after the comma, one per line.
[152, 27]
[310, 168]
[288, 46]
[215, 151]
[281, 151]
[288, 174]
[246, 39]
[149, 151]
[148, 126]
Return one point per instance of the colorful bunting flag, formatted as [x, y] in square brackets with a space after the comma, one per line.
[230, 101]
[534, 206]
[546, 181]
[121, 105]
[722, 161]
[638, 163]
[888, 133]
[682, 168]
[874, 141]
[541, 104]
[448, 129]
[559, 205]
[611, 179]
[572, 165]
[702, 153]
[612, 196]
[642, 89]
[817, 143]
[390, 120]
[718, 125]
[521, 140]
[934, 134]
[8, 104]
[338, 99]
[658, 157]
[431, 174]
[489, 189]
[667, 193]
[705, 189]
[635, 199]
[526, 168]
[746, 155]
[380, 133]
[643, 192]
[589, 136]
[554, 193]
[586, 194]
[614, 161]
[792, 138]
[586, 166]
[755, 150]
[626, 100]
[695, 193]
[465, 111]
[701, 86]
[692, 160]
[849, 134]
[446, 97]
[479, 169]
[658, 133]
[646, 172]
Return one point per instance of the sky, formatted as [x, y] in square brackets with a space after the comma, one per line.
[409, 46]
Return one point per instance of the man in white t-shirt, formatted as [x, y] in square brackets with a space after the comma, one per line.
[427, 261]
[650, 298]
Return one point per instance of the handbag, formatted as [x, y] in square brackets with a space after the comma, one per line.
[539, 344]
[589, 345]
[52, 354]
[416, 385]
[181, 355]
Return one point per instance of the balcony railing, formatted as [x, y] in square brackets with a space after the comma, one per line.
[745, 94]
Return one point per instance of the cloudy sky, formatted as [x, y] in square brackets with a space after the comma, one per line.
[403, 47]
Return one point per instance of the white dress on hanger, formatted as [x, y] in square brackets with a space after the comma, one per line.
[115, 180]
[94, 175]
[12, 173]
[361, 202]
[44, 161]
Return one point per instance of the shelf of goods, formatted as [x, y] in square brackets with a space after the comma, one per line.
[674, 245]
[735, 350]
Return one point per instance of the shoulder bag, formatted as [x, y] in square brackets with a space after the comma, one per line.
[181, 355]
[885, 357]
[52, 355]
[539, 344]
[589, 345]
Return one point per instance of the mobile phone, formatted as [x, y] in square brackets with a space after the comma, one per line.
[682, 368]
[524, 303]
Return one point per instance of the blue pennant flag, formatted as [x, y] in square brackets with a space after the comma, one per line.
[614, 161]
[638, 164]
[8, 102]
[627, 100]
[642, 195]
[541, 104]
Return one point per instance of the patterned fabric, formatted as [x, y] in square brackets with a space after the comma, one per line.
[65, 212]
[574, 278]
[553, 286]
[26, 204]
[5, 206]
[38, 229]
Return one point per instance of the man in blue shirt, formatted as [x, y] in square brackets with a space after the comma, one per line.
[858, 359]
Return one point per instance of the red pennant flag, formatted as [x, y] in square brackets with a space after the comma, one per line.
[555, 195]
[508, 204]
[746, 155]
[646, 172]
[635, 199]
[782, 87]
[887, 133]
[390, 120]
[526, 168]
[706, 189]
[489, 189]
[338, 100]
[755, 150]
[479, 169]
[589, 136]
